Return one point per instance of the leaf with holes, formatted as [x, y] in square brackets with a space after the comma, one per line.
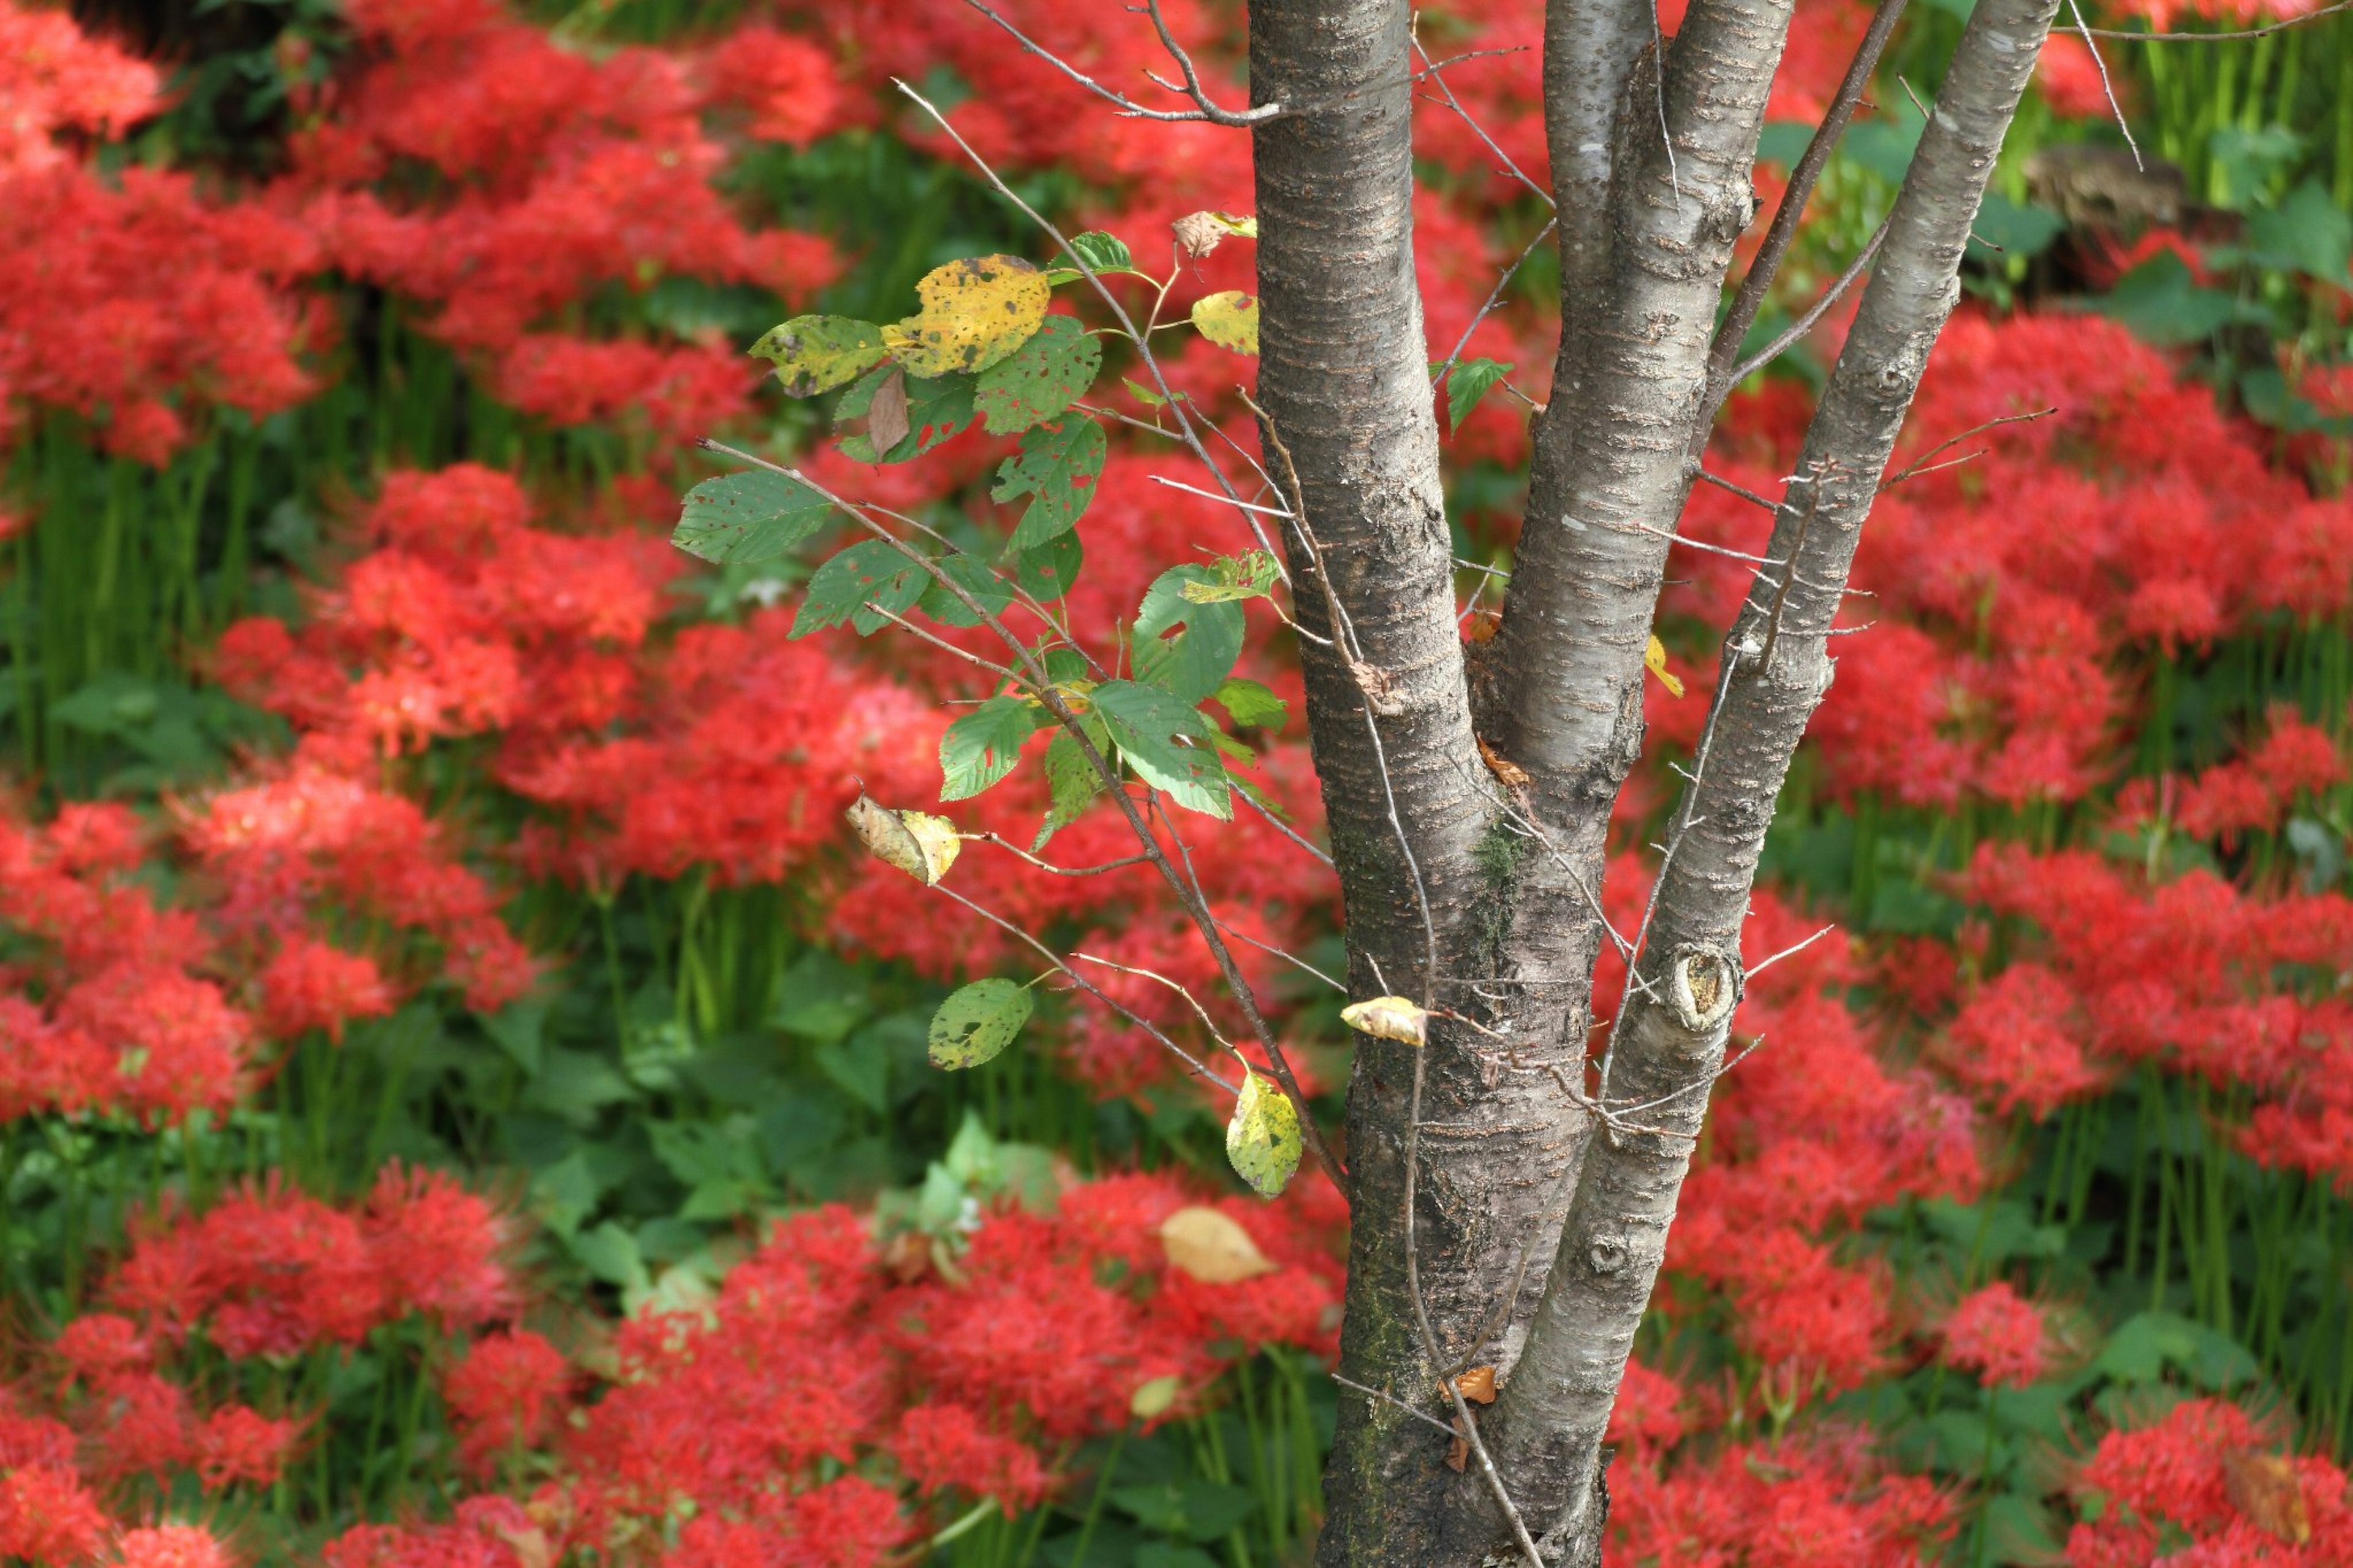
[975, 312]
[870, 571]
[981, 586]
[1467, 382]
[985, 745]
[1071, 782]
[1262, 1142]
[935, 410]
[977, 1022]
[1150, 727]
[1182, 644]
[1249, 575]
[1229, 320]
[1050, 373]
[818, 353]
[1057, 468]
[750, 516]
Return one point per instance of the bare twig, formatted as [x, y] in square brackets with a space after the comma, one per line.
[1921, 466]
[1790, 952]
[1010, 848]
[1207, 109]
[1805, 324]
[2107, 88]
[1495, 296]
[1432, 69]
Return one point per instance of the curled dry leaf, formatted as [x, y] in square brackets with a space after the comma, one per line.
[1199, 232]
[1211, 1246]
[2267, 1490]
[1514, 776]
[921, 844]
[1388, 1018]
[886, 416]
[1477, 1385]
[1458, 1453]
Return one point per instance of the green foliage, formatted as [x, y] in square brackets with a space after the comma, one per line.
[1057, 468]
[1103, 253]
[750, 516]
[1041, 379]
[1185, 643]
[1467, 382]
[937, 407]
[977, 1022]
[1166, 741]
[857, 585]
[985, 745]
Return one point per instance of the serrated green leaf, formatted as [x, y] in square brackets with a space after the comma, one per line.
[1252, 706]
[1467, 382]
[870, 571]
[1252, 574]
[818, 353]
[937, 407]
[751, 516]
[971, 574]
[1182, 645]
[1145, 724]
[1050, 373]
[1047, 571]
[1071, 781]
[1057, 468]
[1144, 394]
[977, 1022]
[1262, 1141]
[985, 745]
[1100, 252]
[976, 312]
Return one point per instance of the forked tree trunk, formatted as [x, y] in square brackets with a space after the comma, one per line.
[1468, 799]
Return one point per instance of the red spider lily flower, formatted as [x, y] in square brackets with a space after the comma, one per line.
[506, 1396]
[1996, 1335]
[171, 1546]
[239, 1446]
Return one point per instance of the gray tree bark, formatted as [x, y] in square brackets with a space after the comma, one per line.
[1469, 798]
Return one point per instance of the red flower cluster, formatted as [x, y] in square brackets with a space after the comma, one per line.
[2208, 1471]
[1996, 1335]
[1791, 1504]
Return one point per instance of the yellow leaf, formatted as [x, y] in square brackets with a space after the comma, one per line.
[1153, 1398]
[976, 312]
[1387, 1018]
[1229, 320]
[1211, 1246]
[917, 843]
[1262, 1140]
[1654, 659]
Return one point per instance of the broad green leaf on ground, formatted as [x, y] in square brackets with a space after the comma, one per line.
[1249, 575]
[975, 312]
[1048, 372]
[1101, 252]
[1057, 468]
[1229, 320]
[1146, 723]
[985, 745]
[1262, 1140]
[1252, 706]
[936, 409]
[870, 571]
[751, 516]
[971, 574]
[916, 842]
[977, 1022]
[1467, 382]
[1071, 781]
[1182, 645]
[818, 353]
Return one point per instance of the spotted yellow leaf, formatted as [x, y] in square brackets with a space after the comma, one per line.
[1229, 320]
[1262, 1141]
[976, 312]
[1654, 659]
[921, 844]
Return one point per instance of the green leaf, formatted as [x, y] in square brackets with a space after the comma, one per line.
[2019, 232]
[2306, 232]
[818, 353]
[1252, 706]
[1145, 723]
[1071, 781]
[1249, 575]
[1144, 394]
[1057, 467]
[937, 407]
[1101, 252]
[1050, 373]
[611, 1254]
[1047, 571]
[985, 745]
[2146, 1344]
[871, 570]
[977, 1022]
[741, 518]
[1262, 1141]
[519, 1030]
[1207, 638]
[971, 574]
[1467, 382]
[1192, 1507]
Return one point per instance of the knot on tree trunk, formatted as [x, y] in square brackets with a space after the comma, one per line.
[1703, 985]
